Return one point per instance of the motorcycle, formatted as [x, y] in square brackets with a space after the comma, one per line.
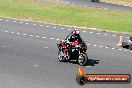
[73, 51]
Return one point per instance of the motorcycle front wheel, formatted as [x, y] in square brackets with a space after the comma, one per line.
[61, 56]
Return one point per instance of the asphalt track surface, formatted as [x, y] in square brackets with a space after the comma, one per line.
[88, 3]
[28, 56]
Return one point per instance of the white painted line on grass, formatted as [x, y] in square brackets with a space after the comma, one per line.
[105, 8]
[84, 5]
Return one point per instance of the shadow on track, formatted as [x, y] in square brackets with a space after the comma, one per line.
[90, 62]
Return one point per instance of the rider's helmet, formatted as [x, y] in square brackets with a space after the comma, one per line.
[76, 33]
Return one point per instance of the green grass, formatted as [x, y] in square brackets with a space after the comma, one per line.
[68, 15]
[121, 2]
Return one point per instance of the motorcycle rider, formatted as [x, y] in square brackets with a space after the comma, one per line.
[73, 47]
[73, 36]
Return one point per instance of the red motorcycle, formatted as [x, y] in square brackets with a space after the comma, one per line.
[73, 51]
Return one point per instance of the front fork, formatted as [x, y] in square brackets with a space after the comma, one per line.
[64, 50]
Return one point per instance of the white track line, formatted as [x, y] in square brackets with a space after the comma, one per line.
[37, 36]
[26, 23]
[12, 32]
[106, 47]
[52, 38]
[23, 34]
[20, 22]
[18, 33]
[95, 45]
[31, 35]
[91, 32]
[47, 26]
[125, 50]
[119, 49]
[34, 24]
[100, 46]
[43, 37]
[54, 27]
[41, 25]
[105, 34]
[46, 47]
[6, 31]
[14, 21]
[88, 44]
[57, 39]
[113, 48]
[35, 65]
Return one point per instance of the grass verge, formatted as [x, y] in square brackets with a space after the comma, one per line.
[67, 15]
[121, 2]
